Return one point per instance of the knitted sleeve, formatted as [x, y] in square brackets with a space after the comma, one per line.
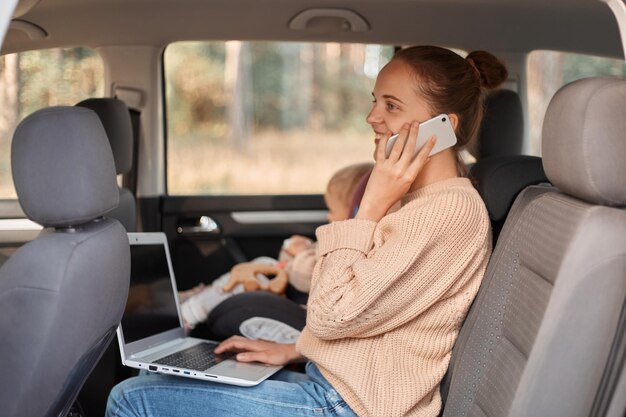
[371, 278]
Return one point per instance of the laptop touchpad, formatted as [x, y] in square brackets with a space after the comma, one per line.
[234, 369]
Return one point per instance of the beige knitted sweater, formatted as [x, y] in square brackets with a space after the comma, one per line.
[387, 299]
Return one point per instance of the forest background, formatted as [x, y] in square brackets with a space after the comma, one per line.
[254, 118]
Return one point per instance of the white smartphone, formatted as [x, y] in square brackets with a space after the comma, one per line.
[438, 126]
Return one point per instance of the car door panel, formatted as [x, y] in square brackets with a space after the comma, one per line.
[208, 235]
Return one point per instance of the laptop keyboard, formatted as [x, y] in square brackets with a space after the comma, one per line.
[199, 357]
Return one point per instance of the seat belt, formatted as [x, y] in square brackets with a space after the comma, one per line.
[617, 408]
[130, 180]
[611, 397]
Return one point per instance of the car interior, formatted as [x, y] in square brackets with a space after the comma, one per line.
[218, 124]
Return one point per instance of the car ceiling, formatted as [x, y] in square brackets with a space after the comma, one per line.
[585, 26]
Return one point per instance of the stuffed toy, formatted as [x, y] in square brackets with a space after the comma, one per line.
[246, 274]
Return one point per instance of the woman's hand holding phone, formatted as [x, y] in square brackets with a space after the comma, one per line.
[392, 176]
[439, 126]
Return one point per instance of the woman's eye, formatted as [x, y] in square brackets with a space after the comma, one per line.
[391, 106]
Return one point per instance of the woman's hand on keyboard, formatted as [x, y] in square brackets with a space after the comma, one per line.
[260, 351]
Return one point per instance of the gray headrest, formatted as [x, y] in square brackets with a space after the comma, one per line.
[63, 167]
[113, 114]
[502, 129]
[584, 140]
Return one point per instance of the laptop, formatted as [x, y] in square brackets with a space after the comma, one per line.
[151, 334]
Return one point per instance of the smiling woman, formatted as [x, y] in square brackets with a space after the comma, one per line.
[458, 95]
[383, 283]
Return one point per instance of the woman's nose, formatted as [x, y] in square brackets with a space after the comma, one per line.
[373, 116]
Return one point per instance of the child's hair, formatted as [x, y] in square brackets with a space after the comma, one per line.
[451, 84]
[343, 182]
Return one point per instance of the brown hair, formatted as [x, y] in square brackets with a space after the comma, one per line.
[345, 181]
[451, 84]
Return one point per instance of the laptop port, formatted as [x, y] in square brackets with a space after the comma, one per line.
[152, 368]
[176, 370]
[187, 372]
[210, 376]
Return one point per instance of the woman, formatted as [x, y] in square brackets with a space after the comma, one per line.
[389, 291]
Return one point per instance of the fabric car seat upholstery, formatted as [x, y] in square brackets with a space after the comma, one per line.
[115, 118]
[62, 294]
[537, 338]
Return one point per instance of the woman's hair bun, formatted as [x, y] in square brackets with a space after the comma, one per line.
[492, 70]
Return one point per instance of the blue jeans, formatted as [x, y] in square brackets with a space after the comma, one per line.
[286, 394]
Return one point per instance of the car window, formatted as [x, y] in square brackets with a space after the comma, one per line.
[266, 117]
[36, 79]
[550, 70]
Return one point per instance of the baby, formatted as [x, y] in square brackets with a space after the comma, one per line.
[295, 262]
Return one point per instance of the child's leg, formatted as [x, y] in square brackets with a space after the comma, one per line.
[184, 295]
[197, 307]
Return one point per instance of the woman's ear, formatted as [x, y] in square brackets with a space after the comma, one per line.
[454, 119]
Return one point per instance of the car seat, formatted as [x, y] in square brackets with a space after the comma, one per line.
[62, 294]
[537, 338]
[115, 118]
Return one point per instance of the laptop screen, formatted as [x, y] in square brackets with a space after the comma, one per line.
[151, 305]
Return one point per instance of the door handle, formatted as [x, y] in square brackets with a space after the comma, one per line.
[204, 225]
